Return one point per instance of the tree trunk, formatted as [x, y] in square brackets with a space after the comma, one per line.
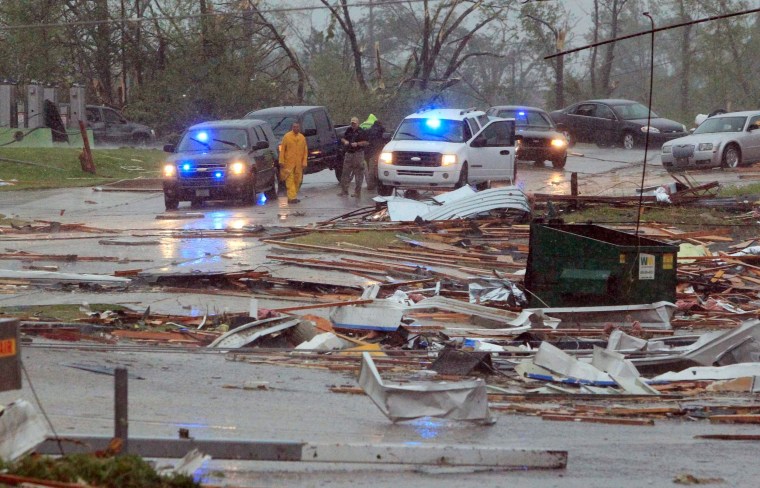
[594, 49]
[102, 61]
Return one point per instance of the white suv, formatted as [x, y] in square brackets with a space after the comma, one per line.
[448, 148]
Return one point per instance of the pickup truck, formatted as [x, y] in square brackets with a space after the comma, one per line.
[224, 159]
[448, 148]
[322, 138]
[110, 127]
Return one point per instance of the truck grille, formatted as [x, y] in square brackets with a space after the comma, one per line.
[683, 150]
[536, 142]
[414, 173]
[202, 174]
[413, 158]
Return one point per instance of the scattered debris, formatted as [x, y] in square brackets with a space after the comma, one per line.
[462, 400]
[22, 428]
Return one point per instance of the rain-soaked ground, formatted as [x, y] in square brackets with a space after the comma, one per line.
[187, 390]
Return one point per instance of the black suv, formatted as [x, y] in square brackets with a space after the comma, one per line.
[221, 160]
[539, 139]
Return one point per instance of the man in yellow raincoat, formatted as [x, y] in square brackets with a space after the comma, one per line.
[293, 153]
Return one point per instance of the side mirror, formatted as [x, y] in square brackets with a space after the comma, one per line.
[478, 142]
[752, 127]
[310, 132]
[518, 137]
[169, 148]
[261, 145]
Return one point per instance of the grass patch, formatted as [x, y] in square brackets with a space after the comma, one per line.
[62, 313]
[60, 167]
[603, 214]
[371, 238]
[7, 221]
[113, 472]
[753, 189]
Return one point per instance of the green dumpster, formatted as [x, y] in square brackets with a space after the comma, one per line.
[585, 265]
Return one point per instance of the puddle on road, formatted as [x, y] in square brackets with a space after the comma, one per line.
[207, 250]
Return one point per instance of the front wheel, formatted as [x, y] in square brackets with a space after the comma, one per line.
[171, 203]
[559, 163]
[463, 177]
[384, 190]
[271, 193]
[732, 156]
[628, 140]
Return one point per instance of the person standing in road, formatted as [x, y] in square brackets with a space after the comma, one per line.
[354, 141]
[375, 143]
[293, 154]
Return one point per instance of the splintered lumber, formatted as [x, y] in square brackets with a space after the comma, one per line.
[598, 420]
[322, 305]
[735, 419]
[729, 437]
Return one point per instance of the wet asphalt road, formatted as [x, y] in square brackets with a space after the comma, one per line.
[187, 390]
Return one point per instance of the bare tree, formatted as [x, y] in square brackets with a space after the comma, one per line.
[342, 15]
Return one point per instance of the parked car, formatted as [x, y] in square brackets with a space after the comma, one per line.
[448, 148]
[539, 139]
[728, 140]
[614, 122]
[109, 126]
[225, 159]
[325, 150]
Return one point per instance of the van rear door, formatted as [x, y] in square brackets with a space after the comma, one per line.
[491, 154]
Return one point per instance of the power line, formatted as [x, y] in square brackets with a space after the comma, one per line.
[659, 29]
[208, 14]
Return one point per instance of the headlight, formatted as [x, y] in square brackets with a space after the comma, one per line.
[170, 170]
[667, 149]
[559, 143]
[386, 157]
[651, 130]
[705, 146]
[683, 128]
[448, 159]
[237, 168]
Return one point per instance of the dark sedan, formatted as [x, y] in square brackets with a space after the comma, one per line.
[615, 122]
[539, 139]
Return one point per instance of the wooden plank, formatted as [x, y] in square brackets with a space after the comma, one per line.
[735, 419]
[599, 420]
[729, 437]
[322, 305]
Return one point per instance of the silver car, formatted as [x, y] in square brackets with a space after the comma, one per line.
[725, 140]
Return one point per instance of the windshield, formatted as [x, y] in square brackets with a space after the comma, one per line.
[280, 123]
[632, 111]
[430, 130]
[721, 124]
[525, 118]
[214, 139]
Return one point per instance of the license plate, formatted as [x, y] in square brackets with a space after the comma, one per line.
[682, 161]
[201, 193]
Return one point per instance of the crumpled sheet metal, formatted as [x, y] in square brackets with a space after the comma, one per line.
[703, 373]
[458, 204]
[496, 290]
[740, 345]
[500, 319]
[461, 400]
[22, 428]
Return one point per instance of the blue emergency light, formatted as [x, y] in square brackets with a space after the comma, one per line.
[433, 123]
[218, 174]
[202, 136]
[186, 167]
[522, 114]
